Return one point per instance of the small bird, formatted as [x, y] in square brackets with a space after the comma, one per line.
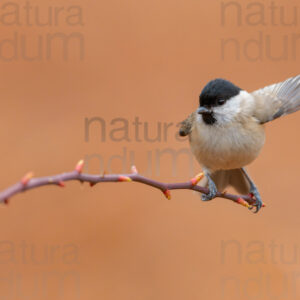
[226, 132]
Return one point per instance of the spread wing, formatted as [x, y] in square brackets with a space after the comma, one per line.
[277, 100]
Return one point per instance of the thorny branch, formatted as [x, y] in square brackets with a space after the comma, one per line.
[28, 182]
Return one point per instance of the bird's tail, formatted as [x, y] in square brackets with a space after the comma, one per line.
[225, 178]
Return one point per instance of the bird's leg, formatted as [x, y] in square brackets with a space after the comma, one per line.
[254, 191]
[212, 188]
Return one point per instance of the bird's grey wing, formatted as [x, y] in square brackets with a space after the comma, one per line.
[187, 125]
[277, 100]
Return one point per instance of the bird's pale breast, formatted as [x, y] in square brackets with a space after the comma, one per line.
[228, 147]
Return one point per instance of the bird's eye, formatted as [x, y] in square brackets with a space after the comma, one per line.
[221, 101]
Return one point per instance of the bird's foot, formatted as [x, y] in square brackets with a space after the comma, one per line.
[212, 192]
[257, 204]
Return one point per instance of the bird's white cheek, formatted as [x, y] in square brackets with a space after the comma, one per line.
[235, 109]
[226, 114]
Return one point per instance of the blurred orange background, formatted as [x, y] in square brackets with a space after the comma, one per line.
[145, 59]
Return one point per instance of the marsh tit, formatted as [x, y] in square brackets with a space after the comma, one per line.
[226, 132]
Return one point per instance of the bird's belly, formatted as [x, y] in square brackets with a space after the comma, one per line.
[227, 148]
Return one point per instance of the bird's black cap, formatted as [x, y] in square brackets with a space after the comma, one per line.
[218, 89]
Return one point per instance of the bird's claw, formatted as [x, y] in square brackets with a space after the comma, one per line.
[257, 204]
[211, 195]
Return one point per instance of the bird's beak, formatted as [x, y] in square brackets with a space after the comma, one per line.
[204, 111]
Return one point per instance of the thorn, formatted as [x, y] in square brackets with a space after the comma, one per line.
[79, 166]
[103, 174]
[197, 178]
[264, 205]
[92, 184]
[124, 178]
[61, 184]
[167, 194]
[134, 170]
[224, 192]
[243, 202]
[6, 201]
[26, 178]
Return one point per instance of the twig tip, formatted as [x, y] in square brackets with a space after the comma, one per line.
[124, 179]
[79, 166]
[167, 194]
[26, 178]
[61, 184]
[134, 170]
[243, 202]
[197, 178]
